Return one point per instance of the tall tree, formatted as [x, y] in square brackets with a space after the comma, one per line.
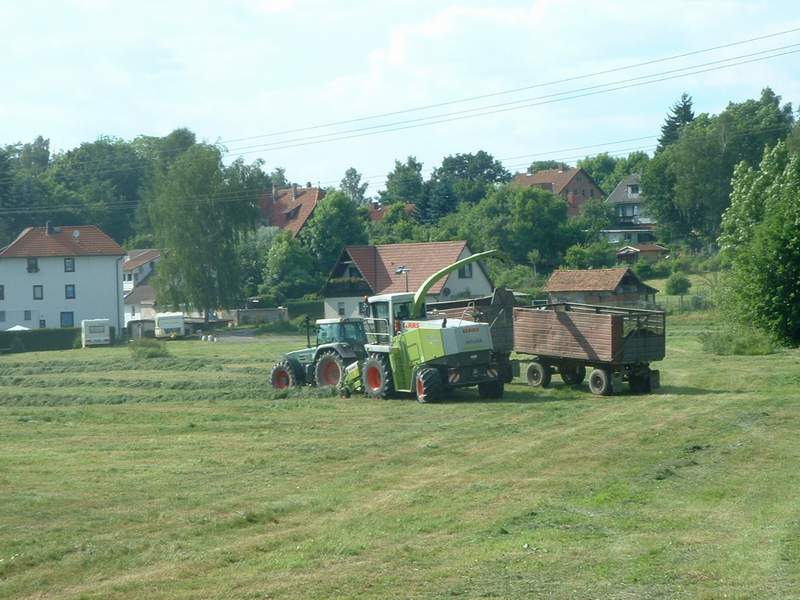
[680, 114]
[404, 183]
[199, 210]
[546, 165]
[601, 168]
[336, 223]
[352, 187]
[290, 270]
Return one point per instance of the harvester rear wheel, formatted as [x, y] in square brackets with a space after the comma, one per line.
[491, 389]
[283, 375]
[329, 369]
[428, 385]
[573, 374]
[377, 376]
[538, 374]
[600, 382]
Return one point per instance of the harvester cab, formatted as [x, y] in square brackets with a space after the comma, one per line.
[409, 353]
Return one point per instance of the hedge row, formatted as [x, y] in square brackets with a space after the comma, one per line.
[315, 309]
[37, 340]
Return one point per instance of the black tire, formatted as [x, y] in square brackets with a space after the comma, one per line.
[329, 369]
[538, 374]
[506, 370]
[491, 390]
[428, 385]
[573, 374]
[377, 376]
[639, 382]
[600, 382]
[283, 375]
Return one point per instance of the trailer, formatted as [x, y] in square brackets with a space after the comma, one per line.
[95, 332]
[618, 344]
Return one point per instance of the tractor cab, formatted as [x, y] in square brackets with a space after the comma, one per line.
[340, 331]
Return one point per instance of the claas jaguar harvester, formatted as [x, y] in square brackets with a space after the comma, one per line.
[406, 352]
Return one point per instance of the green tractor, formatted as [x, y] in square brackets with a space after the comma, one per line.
[406, 352]
[340, 342]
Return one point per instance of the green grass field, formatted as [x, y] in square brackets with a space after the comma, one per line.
[186, 478]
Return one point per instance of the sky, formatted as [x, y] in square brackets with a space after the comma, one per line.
[240, 71]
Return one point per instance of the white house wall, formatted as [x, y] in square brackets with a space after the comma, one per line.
[98, 291]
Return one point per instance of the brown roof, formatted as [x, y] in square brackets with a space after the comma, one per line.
[82, 240]
[136, 258]
[377, 211]
[291, 207]
[554, 180]
[141, 294]
[378, 264]
[586, 280]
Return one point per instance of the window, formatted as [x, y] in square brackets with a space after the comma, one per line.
[341, 309]
[2, 292]
[69, 291]
[465, 272]
[26, 315]
[69, 265]
[42, 324]
[38, 292]
[33, 265]
[633, 190]
[67, 319]
[2, 316]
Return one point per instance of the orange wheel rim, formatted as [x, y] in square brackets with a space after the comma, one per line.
[374, 378]
[330, 373]
[420, 387]
[281, 380]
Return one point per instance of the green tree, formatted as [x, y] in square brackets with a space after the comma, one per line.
[546, 165]
[761, 243]
[352, 187]
[678, 284]
[337, 222]
[251, 250]
[397, 226]
[290, 270]
[199, 210]
[679, 115]
[404, 183]
[601, 167]
[596, 255]
[596, 215]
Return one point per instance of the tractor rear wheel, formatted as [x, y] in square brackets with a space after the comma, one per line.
[600, 382]
[377, 376]
[538, 374]
[491, 389]
[573, 374]
[329, 369]
[283, 375]
[428, 385]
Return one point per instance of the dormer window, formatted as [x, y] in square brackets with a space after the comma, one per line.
[33, 265]
[633, 190]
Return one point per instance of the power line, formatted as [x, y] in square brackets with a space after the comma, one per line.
[514, 90]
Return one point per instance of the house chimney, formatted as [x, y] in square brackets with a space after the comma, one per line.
[308, 184]
[294, 192]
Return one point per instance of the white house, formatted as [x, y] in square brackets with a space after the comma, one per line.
[388, 268]
[58, 276]
[138, 266]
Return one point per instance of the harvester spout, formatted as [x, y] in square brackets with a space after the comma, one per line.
[421, 294]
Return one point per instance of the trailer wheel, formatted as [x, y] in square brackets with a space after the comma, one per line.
[329, 369]
[600, 382]
[639, 381]
[573, 374]
[283, 375]
[491, 389]
[428, 385]
[538, 375]
[377, 376]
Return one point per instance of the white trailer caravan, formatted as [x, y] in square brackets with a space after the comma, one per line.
[170, 325]
[95, 332]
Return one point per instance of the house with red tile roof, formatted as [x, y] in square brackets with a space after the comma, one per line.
[616, 287]
[389, 268]
[644, 252]
[377, 211]
[574, 185]
[58, 276]
[290, 208]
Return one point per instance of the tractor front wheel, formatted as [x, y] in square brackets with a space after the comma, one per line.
[428, 385]
[377, 376]
[491, 389]
[283, 375]
[329, 370]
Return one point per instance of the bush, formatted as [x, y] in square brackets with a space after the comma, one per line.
[148, 348]
[740, 341]
[678, 284]
[296, 325]
[38, 340]
[315, 309]
[648, 270]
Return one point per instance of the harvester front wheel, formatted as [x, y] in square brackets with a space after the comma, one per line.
[283, 375]
[491, 389]
[428, 385]
[377, 376]
[329, 370]
[538, 374]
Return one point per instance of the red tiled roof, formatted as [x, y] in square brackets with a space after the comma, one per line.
[82, 240]
[553, 179]
[378, 263]
[377, 212]
[290, 212]
[136, 258]
[586, 280]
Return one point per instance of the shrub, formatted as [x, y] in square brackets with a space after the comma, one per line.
[37, 340]
[678, 284]
[315, 309]
[740, 341]
[648, 270]
[148, 348]
[17, 345]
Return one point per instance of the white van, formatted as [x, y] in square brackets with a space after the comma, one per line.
[169, 325]
[95, 332]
